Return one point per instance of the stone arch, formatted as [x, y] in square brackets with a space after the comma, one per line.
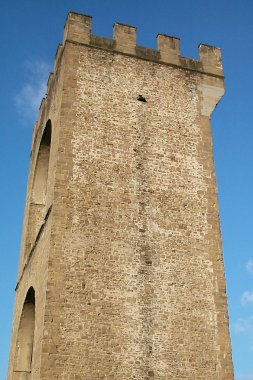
[39, 188]
[25, 339]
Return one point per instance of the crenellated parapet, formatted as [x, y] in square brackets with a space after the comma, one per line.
[78, 30]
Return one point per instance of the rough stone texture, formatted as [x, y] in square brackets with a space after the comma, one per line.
[127, 267]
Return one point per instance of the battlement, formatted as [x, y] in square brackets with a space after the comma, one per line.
[78, 30]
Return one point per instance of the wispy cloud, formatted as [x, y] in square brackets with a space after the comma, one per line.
[249, 266]
[244, 376]
[28, 99]
[247, 297]
[244, 325]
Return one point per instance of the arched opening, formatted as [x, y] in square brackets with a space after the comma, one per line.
[39, 188]
[24, 346]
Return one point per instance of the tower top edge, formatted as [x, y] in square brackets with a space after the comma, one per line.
[78, 29]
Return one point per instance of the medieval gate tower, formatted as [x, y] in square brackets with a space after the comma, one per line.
[121, 274]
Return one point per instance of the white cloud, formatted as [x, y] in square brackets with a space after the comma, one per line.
[244, 325]
[29, 97]
[249, 266]
[247, 297]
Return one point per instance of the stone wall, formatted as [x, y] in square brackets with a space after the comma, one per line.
[133, 283]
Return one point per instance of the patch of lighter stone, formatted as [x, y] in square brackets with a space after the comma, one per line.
[210, 97]
[154, 227]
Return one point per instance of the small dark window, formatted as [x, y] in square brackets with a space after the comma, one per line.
[141, 98]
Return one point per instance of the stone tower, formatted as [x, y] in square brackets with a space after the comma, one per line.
[121, 274]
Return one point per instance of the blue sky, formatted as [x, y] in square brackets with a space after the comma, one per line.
[30, 32]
